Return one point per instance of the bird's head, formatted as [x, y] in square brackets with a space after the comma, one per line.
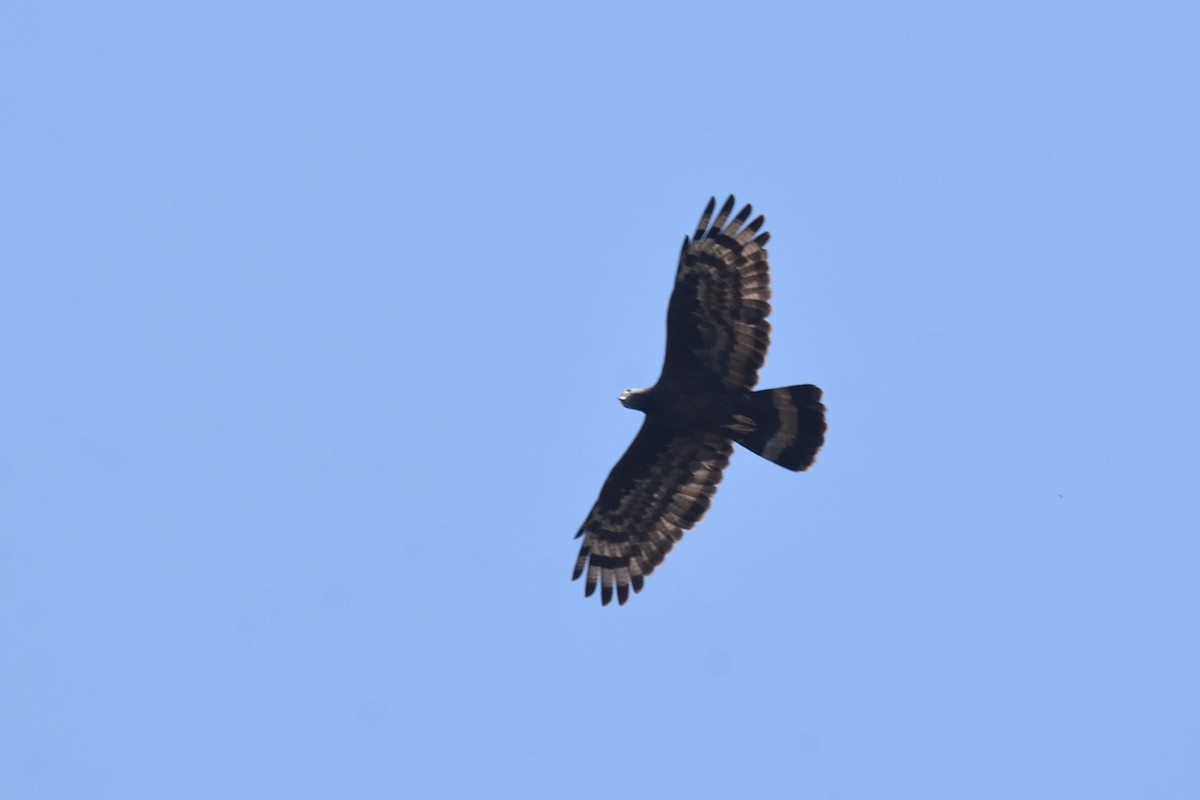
[635, 398]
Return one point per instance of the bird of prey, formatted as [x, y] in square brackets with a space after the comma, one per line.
[703, 402]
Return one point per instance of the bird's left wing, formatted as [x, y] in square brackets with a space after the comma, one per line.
[660, 488]
[717, 329]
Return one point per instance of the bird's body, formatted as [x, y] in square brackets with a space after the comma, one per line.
[700, 410]
[704, 400]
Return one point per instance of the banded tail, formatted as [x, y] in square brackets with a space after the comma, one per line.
[786, 426]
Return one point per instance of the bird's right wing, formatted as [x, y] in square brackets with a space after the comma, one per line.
[660, 488]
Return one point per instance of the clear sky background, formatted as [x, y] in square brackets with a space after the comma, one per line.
[314, 318]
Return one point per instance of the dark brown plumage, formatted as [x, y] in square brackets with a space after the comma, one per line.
[717, 337]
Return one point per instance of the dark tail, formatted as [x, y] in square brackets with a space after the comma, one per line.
[786, 425]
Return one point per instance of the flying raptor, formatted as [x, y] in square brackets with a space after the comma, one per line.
[703, 402]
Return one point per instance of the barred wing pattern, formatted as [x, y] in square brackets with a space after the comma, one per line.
[717, 337]
[717, 329]
[660, 488]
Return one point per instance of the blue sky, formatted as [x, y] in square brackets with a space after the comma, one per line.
[314, 321]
